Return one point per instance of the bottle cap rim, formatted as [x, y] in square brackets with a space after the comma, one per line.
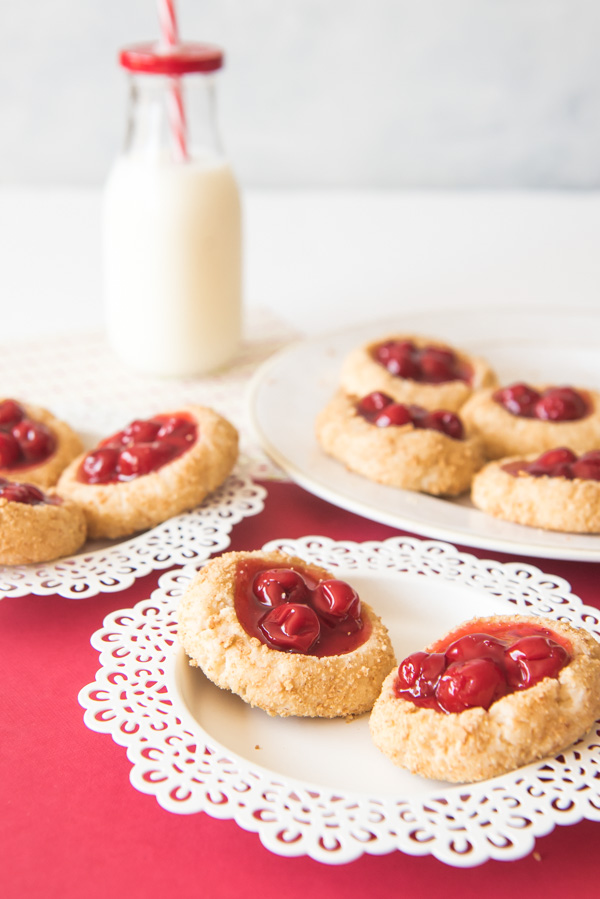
[182, 59]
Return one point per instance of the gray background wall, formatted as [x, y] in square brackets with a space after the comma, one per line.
[323, 93]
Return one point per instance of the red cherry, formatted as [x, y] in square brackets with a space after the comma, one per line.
[518, 399]
[373, 403]
[561, 404]
[100, 466]
[145, 445]
[176, 426]
[395, 348]
[291, 626]
[277, 585]
[409, 670]
[418, 415]
[446, 422]
[399, 357]
[10, 451]
[175, 445]
[512, 672]
[560, 463]
[143, 458]
[396, 414]
[475, 682]
[11, 413]
[115, 441]
[260, 592]
[140, 431]
[553, 463]
[560, 456]
[537, 657]
[337, 598]
[590, 456]
[587, 469]
[516, 468]
[419, 673]
[22, 493]
[478, 668]
[35, 439]
[476, 646]
[438, 365]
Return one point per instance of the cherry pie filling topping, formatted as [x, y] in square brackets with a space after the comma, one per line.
[553, 404]
[475, 668]
[558, 463]
[28, 494]
[141, 448]
[428, 364]
[382, 411]
[290, 611]
[23, 441]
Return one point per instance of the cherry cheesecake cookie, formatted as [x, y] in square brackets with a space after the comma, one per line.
[520, 418]
[153, 469]
[492, 695]
[34, 445]
[415, 370]
[557, 491]
[286, 636]
[36, 526]
[400, 445]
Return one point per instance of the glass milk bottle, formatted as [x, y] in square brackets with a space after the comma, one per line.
[172, 230]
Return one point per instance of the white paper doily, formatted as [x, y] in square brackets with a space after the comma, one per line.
[151, 702]
[187, 539]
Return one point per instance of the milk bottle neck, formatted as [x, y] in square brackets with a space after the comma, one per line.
[172, 118]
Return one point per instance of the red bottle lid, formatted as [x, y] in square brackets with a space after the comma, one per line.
[153, 59]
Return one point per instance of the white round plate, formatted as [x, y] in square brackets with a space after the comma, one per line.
[111, 566]
[320, 787]
[290, 389]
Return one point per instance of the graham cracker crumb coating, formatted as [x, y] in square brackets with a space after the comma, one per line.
[520, 728]
[399, 456]
[361, 374]
[551, 503]
[40, 532]
[118, 509]
[68, 446]
[280, 683]
[504, 434]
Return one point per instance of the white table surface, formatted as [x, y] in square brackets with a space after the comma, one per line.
[324, 260]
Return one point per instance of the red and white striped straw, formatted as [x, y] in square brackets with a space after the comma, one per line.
[169, 32]
[169, 38]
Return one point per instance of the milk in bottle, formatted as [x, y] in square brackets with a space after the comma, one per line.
[172, 223]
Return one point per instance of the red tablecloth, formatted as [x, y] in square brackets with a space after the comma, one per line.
[72, 826]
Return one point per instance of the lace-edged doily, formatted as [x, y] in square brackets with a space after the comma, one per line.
[138, 700]
[187, 539]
